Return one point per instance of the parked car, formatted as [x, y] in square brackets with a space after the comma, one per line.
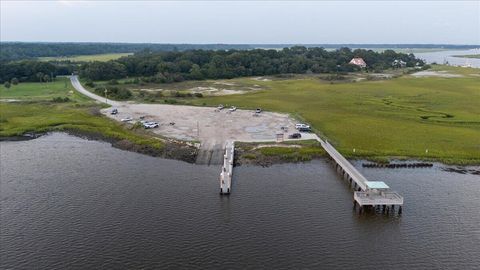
[232, 109]
[258, 110]
[304, 129]
[114, 111]
[295, 136]
[148, 124]
[128, 119]
[299, 126]
[220, 107]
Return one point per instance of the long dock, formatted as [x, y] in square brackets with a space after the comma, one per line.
[227, 168]
[366, 193]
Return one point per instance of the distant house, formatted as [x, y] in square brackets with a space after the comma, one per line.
[399, 63]
[357, 61]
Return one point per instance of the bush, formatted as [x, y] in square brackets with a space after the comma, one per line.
[60, 99]
[425, 67]
[90, 83]
[198, 95]
[179, 94]
[142, 93]
[14, 81]
[7, 84]
[170, 101]
[113, 82]
[114, 92]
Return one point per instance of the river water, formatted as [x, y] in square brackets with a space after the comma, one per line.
[70, 203]
[442, 57]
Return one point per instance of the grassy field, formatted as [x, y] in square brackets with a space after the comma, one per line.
[182, 91]
[34, 111]
[87, 58]
[17, 119]
[402, 117]
[60, 87]
[477, 56]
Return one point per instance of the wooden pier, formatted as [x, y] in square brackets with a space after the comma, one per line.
[366, 193]
[227, 168]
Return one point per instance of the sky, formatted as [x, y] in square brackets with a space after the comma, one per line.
[242, 22]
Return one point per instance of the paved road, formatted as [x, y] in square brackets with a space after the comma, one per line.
[76, 84]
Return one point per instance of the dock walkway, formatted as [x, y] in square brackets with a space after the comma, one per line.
[366, 193]
[227, 168]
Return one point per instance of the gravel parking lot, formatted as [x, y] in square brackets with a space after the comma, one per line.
[205, 124]
[210, 126]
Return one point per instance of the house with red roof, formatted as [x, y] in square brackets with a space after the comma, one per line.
[357, 61]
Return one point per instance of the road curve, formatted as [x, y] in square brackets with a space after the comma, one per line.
[78, 86]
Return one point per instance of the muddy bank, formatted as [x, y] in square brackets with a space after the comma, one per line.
[171, 149]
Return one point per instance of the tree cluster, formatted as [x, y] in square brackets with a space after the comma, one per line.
[177, 66]
[32, 71]
[114, 92]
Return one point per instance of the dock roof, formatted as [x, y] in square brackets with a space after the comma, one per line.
[376, 185]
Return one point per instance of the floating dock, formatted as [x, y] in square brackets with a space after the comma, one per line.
[366, 193]
[227, 168]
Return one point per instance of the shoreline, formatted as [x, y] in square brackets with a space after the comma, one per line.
[183, 151]
[170, 150]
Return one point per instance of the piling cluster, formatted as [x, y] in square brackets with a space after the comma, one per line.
[397, 165]
[383, 209]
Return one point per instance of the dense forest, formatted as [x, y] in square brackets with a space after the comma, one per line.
[27, 50]
[161, 67]
[175, 66]
[23, 50]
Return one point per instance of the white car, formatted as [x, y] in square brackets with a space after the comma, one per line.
[128, 119]
[299, 126]
[220, 107]
[148, 125]
[232, 109]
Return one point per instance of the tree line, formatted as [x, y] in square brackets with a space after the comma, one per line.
[33, 71]
[175, 66]
[12, 51]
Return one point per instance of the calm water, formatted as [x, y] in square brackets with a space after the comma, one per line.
[442, 56]
[68, 203]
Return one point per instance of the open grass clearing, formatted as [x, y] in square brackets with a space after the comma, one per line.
[28, 91]
[476, 56]
[87, 58]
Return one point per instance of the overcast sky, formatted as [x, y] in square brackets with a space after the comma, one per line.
[449, 22]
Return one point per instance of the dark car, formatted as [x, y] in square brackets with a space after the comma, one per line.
[304, 129]
[114, 111]
[295, 136]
